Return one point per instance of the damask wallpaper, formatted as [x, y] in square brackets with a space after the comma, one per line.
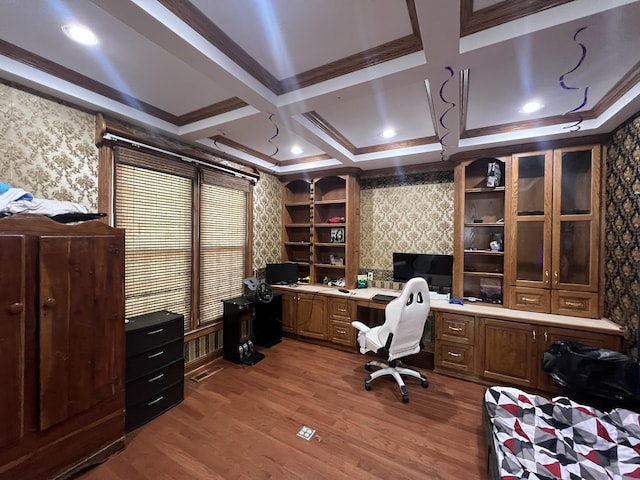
[267, 221]
[47, 148]
[622, 231]
[411, 213]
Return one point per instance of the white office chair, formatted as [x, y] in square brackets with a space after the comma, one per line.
[399, 336]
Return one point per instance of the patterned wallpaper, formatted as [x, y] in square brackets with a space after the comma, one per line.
[267, 222]
[47, 148]
[411, 213]
[622, 231]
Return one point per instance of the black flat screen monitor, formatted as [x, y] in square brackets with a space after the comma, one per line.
[282, 273]
[437, 270]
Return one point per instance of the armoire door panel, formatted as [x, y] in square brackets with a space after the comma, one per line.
[78, 365]
[12, 339]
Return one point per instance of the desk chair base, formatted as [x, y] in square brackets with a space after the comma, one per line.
[394, 369]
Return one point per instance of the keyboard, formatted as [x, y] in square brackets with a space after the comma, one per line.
[383, 298]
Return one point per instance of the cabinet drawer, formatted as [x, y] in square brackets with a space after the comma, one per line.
[153, 383]
[339, 307]
[152, 360]
[530, 299]
[455, 328]
[454, 356]
[152, 407]
[152, 330]
[575, 304]
[342, 331]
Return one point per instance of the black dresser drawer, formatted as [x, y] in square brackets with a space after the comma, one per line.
[158, 404]
[153, 383]
[149, 331]
[152, 360]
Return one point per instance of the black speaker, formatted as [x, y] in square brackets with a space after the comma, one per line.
[267, 322]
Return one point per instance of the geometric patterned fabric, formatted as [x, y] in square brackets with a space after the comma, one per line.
[540, 439]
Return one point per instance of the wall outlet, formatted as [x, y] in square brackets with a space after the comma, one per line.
[370, 276]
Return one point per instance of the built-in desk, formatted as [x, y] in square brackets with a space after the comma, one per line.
[475, 341]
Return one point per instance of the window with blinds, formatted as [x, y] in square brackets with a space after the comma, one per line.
[223, 243]
[186, 235]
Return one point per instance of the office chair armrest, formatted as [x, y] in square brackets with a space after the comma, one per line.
[360, 326]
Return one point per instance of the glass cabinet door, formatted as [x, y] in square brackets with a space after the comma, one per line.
[531, 209]
[575, 229]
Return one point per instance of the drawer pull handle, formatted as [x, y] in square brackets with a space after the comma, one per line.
[157, 377]
[341, 331]
[574, 304]
[343, 310]
[451, 354]
[153, 332]
[527, 299]
[161, 352]
[455, 329]
[155, 401]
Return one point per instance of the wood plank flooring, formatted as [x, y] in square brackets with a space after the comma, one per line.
[241, 423]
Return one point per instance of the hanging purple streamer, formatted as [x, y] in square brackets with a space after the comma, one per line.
[576, 126]
[274, 136]
[441, 119]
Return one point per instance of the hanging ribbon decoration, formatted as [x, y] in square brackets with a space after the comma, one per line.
[221, 133]
[441, 119]
[576, 126]
[274, 136]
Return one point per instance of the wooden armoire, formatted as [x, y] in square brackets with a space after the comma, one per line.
[61, 346]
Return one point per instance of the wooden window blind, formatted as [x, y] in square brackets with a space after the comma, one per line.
[223, 247]
[173, 263]
[155, 209]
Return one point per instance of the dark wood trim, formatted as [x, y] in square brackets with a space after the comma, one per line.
[354, 171]
[506, 150]
[320, 123]
[439, 166]
[626, 83]
[31, 59]
[172, 146]
[197, 20]
[196, 333]
[414, 142]
[202, 361]
[506, 11]
[213, 110]
[361, 60]
[303, 160]
[193, 17]
[105, 182]
[222, 140]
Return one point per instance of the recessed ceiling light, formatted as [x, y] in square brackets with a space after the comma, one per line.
[388, 133]
[80, 34]
[296, 150]
[532, 106]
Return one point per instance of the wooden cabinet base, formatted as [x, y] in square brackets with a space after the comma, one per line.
[85, 443]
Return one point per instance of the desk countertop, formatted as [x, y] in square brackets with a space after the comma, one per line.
[363, 296]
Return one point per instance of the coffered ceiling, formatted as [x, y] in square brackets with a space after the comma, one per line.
[252, 78]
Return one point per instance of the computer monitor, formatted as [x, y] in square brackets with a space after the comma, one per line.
[437, 270]
[281, 273]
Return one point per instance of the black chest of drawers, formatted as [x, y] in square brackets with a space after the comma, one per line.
[154, 366]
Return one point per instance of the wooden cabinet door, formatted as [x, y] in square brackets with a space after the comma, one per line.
[289, 305]
[593, 339]
[312, 316]
[81, 323]
[12, 338]
[509, 352]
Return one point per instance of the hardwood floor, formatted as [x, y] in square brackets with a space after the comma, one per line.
[241, 423]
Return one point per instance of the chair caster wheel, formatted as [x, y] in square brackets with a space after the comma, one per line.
[425, 383]
[367, 383]
[405, 398]
[367, 367]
